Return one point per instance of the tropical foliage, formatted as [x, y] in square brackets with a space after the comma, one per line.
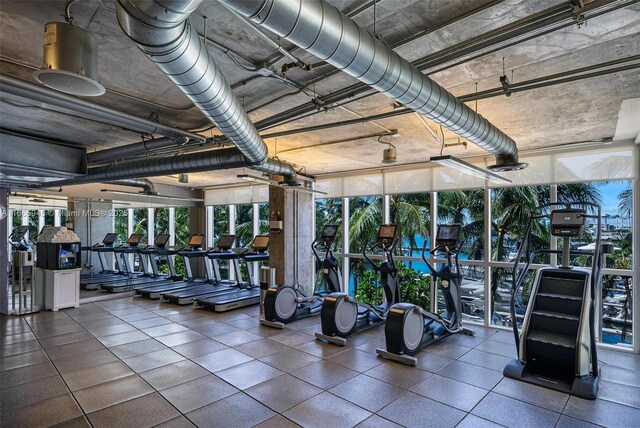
[415, 287]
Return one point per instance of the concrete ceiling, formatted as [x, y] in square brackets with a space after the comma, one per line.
[577, 111]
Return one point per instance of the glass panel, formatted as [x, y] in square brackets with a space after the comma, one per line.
[120, 223]
[465, 207]
[33, 224]
[161, 221]
[364, 221]
[220, 221]
[617, 316]
[263, 218]
[411, 213]
[49, 218]
[64, 217]
[182, 225]
[140, 220]
[501, 279]
[329, 211]
[244, 224]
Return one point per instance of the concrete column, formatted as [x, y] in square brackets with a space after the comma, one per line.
[290, 251]
[4, 278]
[197, 224]
[91, 222]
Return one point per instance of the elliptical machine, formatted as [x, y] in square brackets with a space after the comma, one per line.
[410, 328]
[342, 315]
[557, 341]
[283, 305]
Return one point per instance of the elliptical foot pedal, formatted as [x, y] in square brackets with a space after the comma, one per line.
[336, 340]
[400, 358]
[272, 324]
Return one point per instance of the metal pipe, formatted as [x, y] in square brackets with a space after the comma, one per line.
[161, 30]
[68, 16]
[11, 85]
[147, 186]
[322, 30]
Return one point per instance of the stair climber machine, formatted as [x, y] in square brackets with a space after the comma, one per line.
[245, 293]
[214, 286]
[557, 342]
[342, 315]
[283, 305]
[194, 249]
[92, 281]
[145, 253]
[409, 327]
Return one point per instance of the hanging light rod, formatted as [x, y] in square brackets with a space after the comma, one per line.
[467, 168]
[307, 181]
[122, 192]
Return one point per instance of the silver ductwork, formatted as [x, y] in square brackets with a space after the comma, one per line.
[148, 188]
[155, 166]
[162, 32]
[324, 31]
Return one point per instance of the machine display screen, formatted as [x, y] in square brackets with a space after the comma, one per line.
[161, 240]
[134, 239]
[329, 231]
[197, 241]
[110, 238]
[386, 234]
[22, 230]
[448, 234]
[567, 222]
[226, 242]
[260, 242]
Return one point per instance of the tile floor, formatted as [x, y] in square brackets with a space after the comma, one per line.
[134, 363]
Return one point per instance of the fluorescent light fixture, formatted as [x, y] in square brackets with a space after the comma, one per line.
[307, 181]
[251, 177]
[178, 198]
[467, 168]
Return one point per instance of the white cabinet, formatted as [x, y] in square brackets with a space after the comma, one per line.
[62, 289]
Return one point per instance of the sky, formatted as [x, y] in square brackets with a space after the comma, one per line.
[609, 193]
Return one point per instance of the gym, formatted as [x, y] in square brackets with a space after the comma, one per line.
[320, 213]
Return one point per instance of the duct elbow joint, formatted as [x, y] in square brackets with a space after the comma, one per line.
[507, 162]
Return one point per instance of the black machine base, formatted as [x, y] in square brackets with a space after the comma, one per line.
[584, 387]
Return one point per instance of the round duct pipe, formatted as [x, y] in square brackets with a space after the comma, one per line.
[70, 60]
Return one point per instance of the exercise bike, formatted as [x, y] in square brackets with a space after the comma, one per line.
[342, 315]
[283, 305]
[410, 328]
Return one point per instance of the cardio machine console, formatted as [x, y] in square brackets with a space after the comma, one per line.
[196, 241]
[225, 242]
[134, 239]
[161, 240]
[260, 243]
[109, 239]
[448, 235]
[387, 235]
[567, 222]
[328, 234]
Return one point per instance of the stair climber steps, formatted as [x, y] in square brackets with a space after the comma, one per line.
[545, 345]
[567, 286]
[554, 302]
[554, 322]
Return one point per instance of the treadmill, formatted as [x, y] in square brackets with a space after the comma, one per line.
[146, 278]
[92, 281]
[247, 293]
[192, 250]
[213, 286]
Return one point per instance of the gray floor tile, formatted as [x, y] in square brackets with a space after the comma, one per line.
[220, 360]
[71, 349]
[197, 393]
[137, 348]
[179, 422]
[103, 322]
[30, 393]
[49, 412]
[236, 338]
[532, 394]
[150, 322]
[180, 338]
[245, 323]
[163, 330]
[623, 375]
[321, 349]
[413, 410]
[146, 411]
[173, 374]
[619, 393]
[313, 412]
[449, 350]
[109, 330]
[123, 338]
[367, 392]
[289, 360]
[138, 316]
[472, 421]
[485, 359]
[199, 347]
[464, 340]
[84, 361]
[473, 375]
[602, 412]
[79, 422]
[432, 362]
[450, 392]
[292, 338]
[569, 422]
[25, 374]
[278, 421]
[375, 421]
[19, 348]
[248, 374]
[51, 331]
[261, 348]
[355, 360]
[110, 393]
[22, 360]
[399, 375]
[324, 374]
[283, 392]
[500, 348]
[86, 378]
[152, 360]
[503, 410]
[369, 345]
[238, 410]
[264, 331]
[505, 336]
[17, 338]
[50, 342]
[215, 330]
[620, 359]
[198, 322]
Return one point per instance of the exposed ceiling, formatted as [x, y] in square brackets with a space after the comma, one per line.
[581, 110]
